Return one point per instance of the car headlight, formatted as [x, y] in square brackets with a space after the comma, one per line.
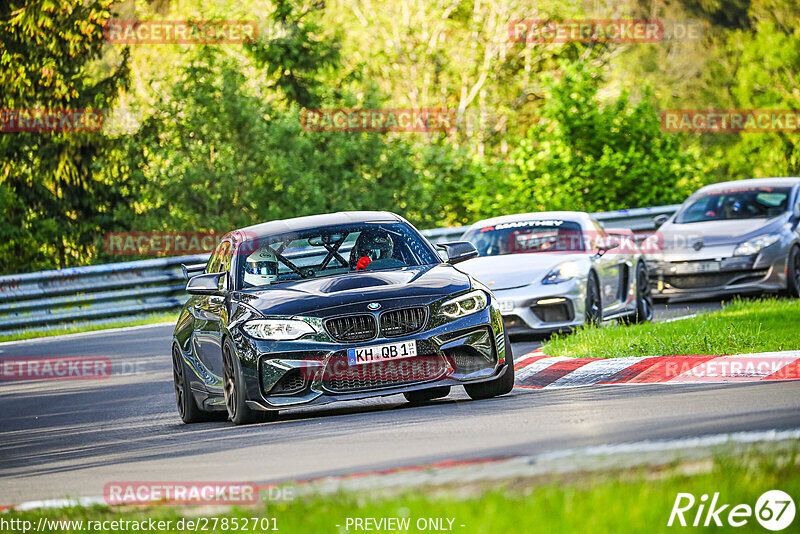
[562, 272]
[754, 246]
[464, 305]
[278, 329]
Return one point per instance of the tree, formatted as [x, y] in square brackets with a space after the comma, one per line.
[215, 156]
[582, 155]
[56, 188]
[765, 77]
[296, 58]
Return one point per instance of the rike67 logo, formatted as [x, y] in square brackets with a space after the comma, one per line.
[774, 510]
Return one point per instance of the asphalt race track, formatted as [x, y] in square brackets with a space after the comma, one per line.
[70, 438]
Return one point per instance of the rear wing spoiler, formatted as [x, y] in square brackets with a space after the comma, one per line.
[192, 270]
[621, 232]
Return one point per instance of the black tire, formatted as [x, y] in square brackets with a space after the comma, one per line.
[793, 272]
[644, 298]
[498, 386]
[187, 407]
[233, 385]
[593, 313]
[425, 395]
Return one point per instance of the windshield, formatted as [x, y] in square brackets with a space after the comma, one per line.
[735, 203]
[331, 251]
[524, 237]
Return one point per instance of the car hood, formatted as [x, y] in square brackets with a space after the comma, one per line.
[320, 297]
[514, 270]
[716, 233]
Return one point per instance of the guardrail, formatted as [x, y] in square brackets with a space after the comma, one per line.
[126, 291]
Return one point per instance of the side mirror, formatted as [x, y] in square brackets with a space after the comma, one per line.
[458, 251]
[609, 243]
[659, 220]
[192, 270]
[206, 284]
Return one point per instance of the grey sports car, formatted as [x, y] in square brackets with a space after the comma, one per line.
[553, 271]
[731, 238]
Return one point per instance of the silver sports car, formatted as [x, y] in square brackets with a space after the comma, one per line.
[554, 271]
[731, 238]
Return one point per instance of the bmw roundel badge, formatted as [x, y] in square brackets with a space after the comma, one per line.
[374, 306]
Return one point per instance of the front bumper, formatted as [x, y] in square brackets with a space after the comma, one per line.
[694, 276]
[544, 308]
[304, 372]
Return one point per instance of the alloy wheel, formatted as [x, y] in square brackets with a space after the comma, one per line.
[177, 378]
[645, 293]
[796, 268]
[229, 386]
[593, 307]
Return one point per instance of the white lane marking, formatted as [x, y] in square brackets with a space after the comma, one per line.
[60, 503]
[681, 318]
[84, 334]
[676, 444]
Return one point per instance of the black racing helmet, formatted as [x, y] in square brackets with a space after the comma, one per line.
[374, 244]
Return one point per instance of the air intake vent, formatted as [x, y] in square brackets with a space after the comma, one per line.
[292, 382]
[342, 378]
[403, 322]
[352, 328]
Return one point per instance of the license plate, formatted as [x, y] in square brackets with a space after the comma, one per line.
[390, 351]
[698, 267]
[506, 305]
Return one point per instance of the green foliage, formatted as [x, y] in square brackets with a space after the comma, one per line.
[743, 62]
[295, 59]
[220, 145]
[218, 154]
[584, 155]
[768, 65]
[55, 188]
[215, 156]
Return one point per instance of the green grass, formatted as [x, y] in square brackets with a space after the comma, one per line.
[618, 501]
[740, 327]
[76, 328]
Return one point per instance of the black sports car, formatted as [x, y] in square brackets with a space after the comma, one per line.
[334, 307]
